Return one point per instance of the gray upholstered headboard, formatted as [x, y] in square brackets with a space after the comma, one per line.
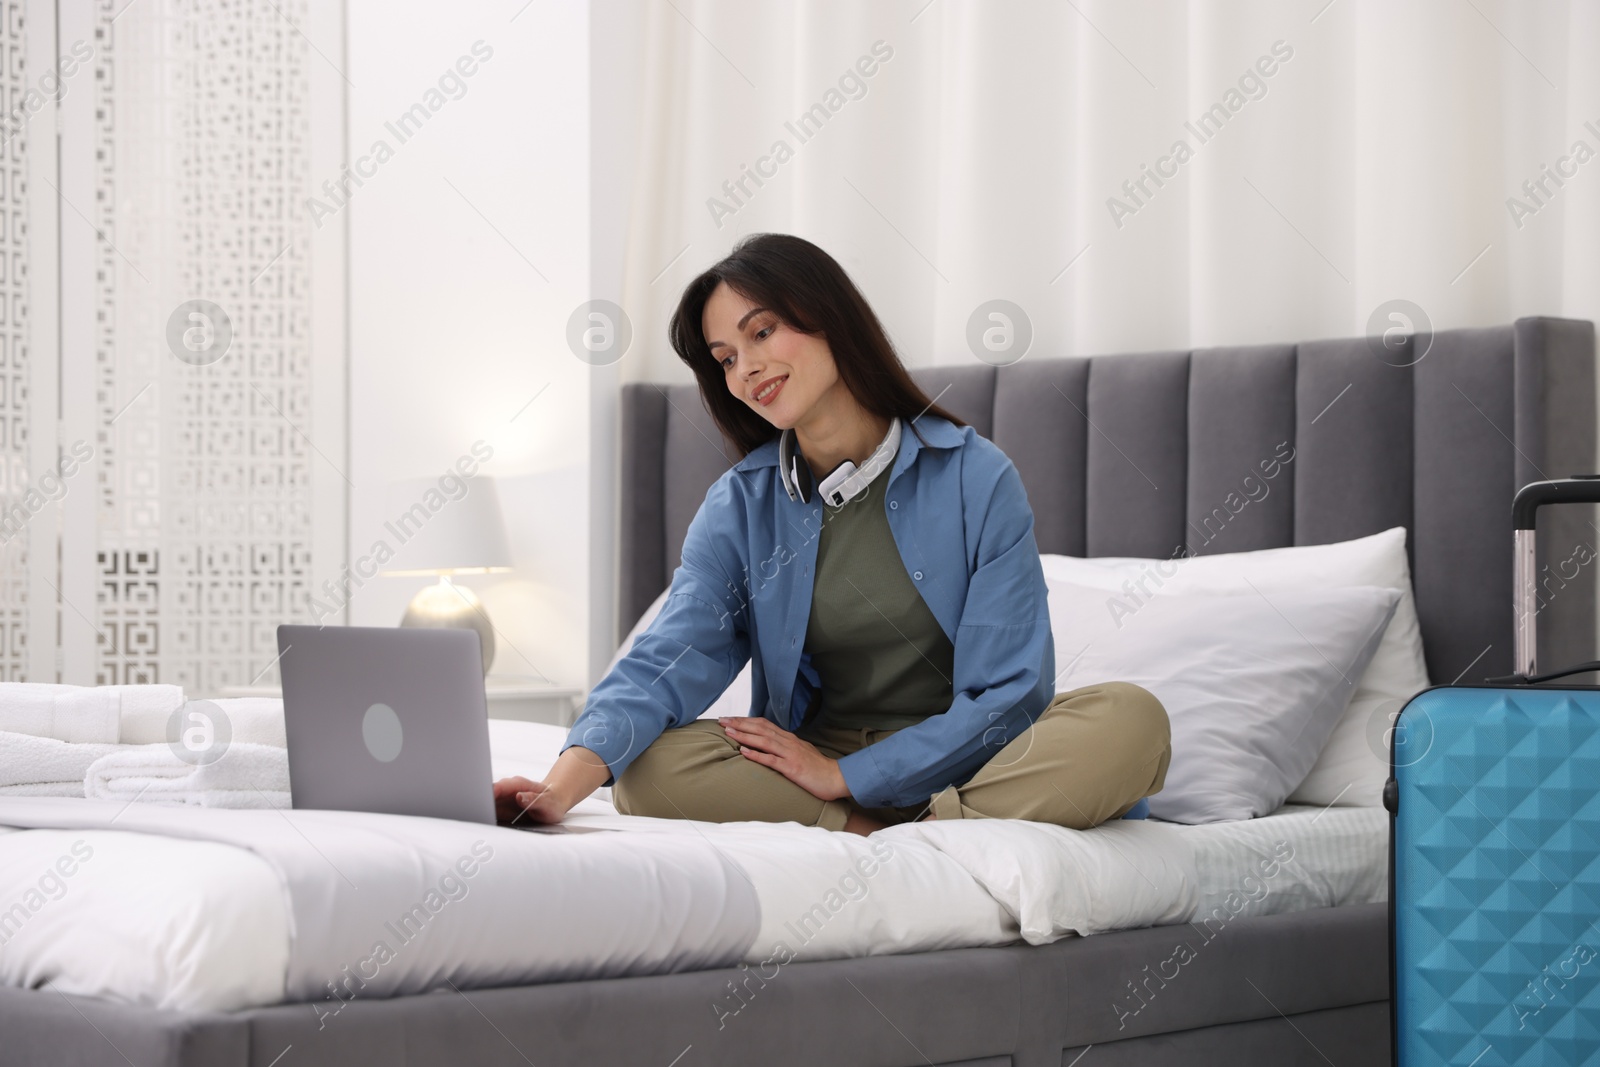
[1132, 455]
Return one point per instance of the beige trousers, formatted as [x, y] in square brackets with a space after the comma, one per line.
[1091, 756]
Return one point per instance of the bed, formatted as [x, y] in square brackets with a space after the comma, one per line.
[1117, 455]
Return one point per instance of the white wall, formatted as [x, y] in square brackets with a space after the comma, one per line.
[616, 79]
[453, 328]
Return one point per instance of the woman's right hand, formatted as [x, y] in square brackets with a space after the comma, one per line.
[523, 799]
[577, 773]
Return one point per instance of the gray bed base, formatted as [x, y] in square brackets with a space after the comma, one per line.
[1128, 455]
[1324, 972]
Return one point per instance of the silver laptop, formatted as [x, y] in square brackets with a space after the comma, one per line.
[386, 719]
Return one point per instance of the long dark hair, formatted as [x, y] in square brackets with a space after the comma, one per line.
[811, 293]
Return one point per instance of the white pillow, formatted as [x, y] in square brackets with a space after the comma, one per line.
[1352, 767]
[1253, 684]
[734, 701]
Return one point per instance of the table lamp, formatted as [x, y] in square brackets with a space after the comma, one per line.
[445, 536]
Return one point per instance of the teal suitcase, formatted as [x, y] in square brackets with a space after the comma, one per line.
[1494, 893]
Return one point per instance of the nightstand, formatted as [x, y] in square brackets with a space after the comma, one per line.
[532, 700]
[510, 697]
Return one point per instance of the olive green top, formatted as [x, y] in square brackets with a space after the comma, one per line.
[882, 658]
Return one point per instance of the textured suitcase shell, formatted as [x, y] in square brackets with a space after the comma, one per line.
[1495, 876]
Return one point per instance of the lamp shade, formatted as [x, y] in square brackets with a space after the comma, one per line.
[445, 525]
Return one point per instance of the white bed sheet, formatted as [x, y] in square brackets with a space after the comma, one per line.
[223, 940]
[374, 905]
[1297, 858]
[160, 921]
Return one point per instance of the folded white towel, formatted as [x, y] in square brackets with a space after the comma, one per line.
[43, 766]
[127, 714]
[43, 789]
[251, 721]
[84, 714]
[244, 776]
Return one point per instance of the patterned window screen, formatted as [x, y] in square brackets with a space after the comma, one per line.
[202, 353]
[186, 354]
[16, 461]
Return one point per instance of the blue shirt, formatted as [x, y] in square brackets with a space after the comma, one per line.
[961, 521]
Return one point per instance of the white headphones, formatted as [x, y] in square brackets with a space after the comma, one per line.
[842, 483]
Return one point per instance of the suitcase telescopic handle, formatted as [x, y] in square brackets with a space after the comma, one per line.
[1580, 489]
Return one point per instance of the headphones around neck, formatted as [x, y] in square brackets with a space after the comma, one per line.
[842, 483]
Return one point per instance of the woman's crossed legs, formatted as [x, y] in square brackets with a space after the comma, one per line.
[1091, 756]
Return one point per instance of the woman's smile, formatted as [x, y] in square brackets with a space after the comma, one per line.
[765, 393]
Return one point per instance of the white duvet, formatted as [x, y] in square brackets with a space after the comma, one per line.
[226, 910]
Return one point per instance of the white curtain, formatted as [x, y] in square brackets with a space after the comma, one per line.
[1377, 160]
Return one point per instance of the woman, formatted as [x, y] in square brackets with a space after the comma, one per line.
[874, 558]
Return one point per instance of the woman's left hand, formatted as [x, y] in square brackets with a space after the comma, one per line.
[763, 741]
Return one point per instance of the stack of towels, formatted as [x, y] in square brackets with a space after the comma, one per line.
[112, 742]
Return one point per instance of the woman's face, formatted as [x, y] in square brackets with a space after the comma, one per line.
[779, 372]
